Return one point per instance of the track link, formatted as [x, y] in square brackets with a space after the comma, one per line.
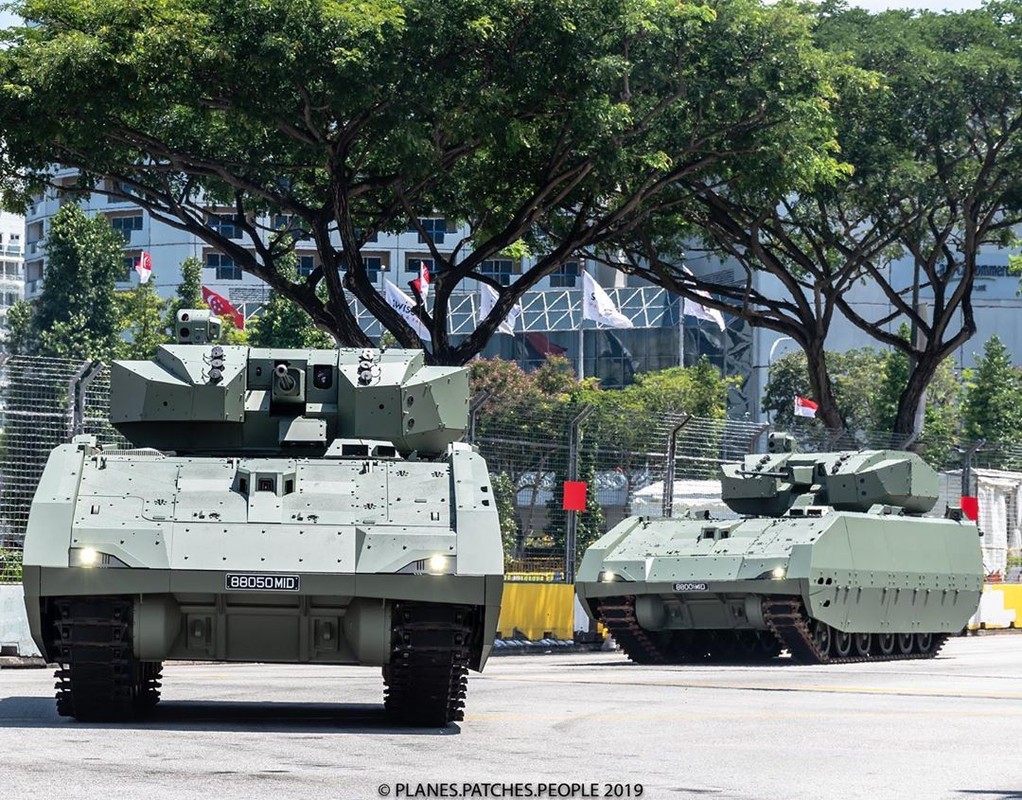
[680, 647]
[789, 621]
[98, 678]
[427, 677]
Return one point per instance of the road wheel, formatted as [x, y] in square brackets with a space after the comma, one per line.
[821, 636]
[842, 644]
[924, 643]
[885, 643]
[863, 641]
[905, 643]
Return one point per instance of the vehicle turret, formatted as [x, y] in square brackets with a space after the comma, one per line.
[211, 398]
[856, 480]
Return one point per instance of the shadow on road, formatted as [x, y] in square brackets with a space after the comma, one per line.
[1000, 794]
[323, 718]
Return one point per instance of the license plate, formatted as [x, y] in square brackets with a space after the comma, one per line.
[249, 582]
[691, 587]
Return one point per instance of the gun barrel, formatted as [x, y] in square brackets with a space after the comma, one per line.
[285, 381]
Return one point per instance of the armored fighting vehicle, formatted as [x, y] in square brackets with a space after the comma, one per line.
[290, 506]
[830, 560]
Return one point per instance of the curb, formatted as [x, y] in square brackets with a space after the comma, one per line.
[22, 662]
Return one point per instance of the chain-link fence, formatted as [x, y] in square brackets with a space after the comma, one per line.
[631, 463]
[45, 402]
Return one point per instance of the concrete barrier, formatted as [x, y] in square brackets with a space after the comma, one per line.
[1000, 607]
[14, 622]
[537, 610]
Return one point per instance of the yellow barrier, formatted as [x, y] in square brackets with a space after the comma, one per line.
[537, 610]
[999, 607]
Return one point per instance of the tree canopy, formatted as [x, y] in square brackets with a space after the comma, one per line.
[929, 123]
[552, 124]
[76, 314]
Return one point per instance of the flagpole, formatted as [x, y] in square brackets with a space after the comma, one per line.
[581, 351]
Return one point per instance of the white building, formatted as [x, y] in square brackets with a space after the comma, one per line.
[12, 272]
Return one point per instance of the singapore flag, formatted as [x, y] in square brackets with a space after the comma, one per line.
[804, 407]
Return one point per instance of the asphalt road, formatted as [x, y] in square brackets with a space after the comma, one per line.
[947, 728]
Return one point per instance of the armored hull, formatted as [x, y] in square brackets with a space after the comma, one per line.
[823, 582]
[334, 551]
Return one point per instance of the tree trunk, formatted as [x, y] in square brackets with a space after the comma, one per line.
[918, 381]
[823, 390]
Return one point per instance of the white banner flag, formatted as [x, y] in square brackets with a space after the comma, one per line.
[693, 309]
[597, 305]
[404, 306]
[487, 300]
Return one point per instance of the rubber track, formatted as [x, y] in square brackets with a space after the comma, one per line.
[788, 620]
[673, 647]
[639, 646]
[99, 679]
[427, 677]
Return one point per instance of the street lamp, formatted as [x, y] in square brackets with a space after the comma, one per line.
[770, 362]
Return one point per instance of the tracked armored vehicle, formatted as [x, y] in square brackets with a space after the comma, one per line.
[291, 506]
[830, 560]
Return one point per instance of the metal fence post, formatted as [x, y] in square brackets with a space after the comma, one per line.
[475, 404]
[967, 455]
[75, 409]
[571, 524]
[667, 500]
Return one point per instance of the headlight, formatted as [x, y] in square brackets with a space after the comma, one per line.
[606, 576]
[90, 557]
[778, 573]
[434, 565]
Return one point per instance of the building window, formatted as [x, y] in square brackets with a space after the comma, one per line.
[125, 225]
[306, 264]
[224, 225]
[294, 225]
[226, 269]
[10, 298]
[374, 266]
[412, 265]
[128, 263]
[497, 268]
[434, 227]
[565, 276]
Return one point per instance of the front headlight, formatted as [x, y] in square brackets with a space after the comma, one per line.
[778, 573]
[90, 557]
[438, 564]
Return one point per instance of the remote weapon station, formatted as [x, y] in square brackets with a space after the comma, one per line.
[290, 506]
[831, 561]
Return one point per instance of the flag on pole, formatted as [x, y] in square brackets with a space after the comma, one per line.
[421, 284]
[144, 267]
[804, 407]
[597, 305]
[487, 300]
[690, 308]
[404, 305]
[222, 307]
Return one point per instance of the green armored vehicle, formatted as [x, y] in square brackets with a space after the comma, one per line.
[831, 560]
[291, 506]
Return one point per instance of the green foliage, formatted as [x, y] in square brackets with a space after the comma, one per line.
[143, 318]
[76, 315]
[189, 291]
[992, 408]
[10, 566]
[592, 522]
[504, 497]
[856, 376]
[358, 117]
[283, 323]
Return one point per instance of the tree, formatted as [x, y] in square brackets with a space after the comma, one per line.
[930, 126]
[189, 291]
[856, 376]
[355, 119]
[76, 314]
[283, 323]
[992, 408]
[143, 318]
